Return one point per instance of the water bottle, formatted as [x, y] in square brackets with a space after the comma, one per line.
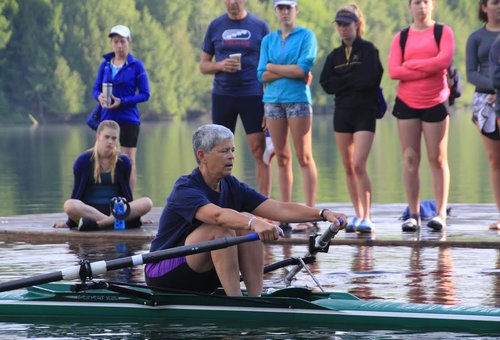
[107, 86]
[107, 90]
[119, 213]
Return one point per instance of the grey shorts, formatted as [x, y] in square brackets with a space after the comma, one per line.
[287, 110]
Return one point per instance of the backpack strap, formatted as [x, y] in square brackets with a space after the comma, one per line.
[438, 32]
[403, 36]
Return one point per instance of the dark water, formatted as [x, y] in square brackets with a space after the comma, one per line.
[208, 331]
[420, 275]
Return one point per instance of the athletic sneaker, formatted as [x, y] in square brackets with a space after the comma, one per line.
[365, 226]
[269, 151]
[86, 224]
[411, 224]
[352, 225]
[437, 223]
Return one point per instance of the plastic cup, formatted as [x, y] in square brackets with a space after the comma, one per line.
[237, 57]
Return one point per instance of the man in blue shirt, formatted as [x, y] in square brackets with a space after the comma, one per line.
[236, 90]
[210, 204]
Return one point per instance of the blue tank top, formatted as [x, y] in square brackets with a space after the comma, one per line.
[101, 193]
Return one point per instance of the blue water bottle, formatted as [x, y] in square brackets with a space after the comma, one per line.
[119, 213]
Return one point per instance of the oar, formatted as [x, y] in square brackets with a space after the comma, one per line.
[101, 267]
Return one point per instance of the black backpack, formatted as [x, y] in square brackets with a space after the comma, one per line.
[454, 81]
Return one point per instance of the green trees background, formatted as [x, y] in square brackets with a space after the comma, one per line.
[50, 49]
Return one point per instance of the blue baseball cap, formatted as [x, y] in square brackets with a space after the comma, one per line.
[285, 3]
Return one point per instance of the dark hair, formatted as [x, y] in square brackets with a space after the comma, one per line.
[480, 13]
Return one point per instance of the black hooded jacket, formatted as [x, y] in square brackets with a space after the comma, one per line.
[354, 82]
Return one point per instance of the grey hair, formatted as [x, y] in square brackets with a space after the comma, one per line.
[207, 136]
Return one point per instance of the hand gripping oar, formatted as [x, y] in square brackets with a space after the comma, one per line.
[100, 267]
[319, 243]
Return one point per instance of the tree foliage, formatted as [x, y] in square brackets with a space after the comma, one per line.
[50, 49]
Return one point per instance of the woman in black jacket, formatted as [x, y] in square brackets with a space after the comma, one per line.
[352, 72]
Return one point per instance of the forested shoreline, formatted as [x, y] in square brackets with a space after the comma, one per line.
[50, 49]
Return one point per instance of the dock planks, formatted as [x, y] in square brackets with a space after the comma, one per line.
[467, 227]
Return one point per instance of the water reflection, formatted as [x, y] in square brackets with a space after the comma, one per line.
[41, 180]
[443, 276]
[109, 251]
[431, 286]
[415, 276]
[496, 282]
[186, 330]
[362, 265]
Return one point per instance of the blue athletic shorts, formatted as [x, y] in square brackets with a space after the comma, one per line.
[287, 110]
[432, 114]
[225, 111]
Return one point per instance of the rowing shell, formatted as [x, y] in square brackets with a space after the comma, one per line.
[290, 306]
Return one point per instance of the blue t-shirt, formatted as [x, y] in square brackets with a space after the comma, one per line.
[224, 37]
[190, 193]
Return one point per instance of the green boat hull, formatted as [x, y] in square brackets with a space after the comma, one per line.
[290, 306]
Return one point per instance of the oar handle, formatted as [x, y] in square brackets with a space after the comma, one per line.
[324, 240]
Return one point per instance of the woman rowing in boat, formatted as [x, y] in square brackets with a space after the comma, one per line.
[100, 174]
[210, 204]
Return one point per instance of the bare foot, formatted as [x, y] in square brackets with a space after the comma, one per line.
[60, 225]
[148, 221]
[495, 226]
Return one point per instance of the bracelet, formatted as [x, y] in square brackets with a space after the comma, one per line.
[322, 214]
[249, 225]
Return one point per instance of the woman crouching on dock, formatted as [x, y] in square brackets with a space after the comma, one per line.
[100, 174]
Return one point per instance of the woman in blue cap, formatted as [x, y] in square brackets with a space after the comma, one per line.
[352, 73]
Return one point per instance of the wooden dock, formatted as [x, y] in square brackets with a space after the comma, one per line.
[467, 227]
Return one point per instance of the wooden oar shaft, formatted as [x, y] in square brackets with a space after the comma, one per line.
[101, 267]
